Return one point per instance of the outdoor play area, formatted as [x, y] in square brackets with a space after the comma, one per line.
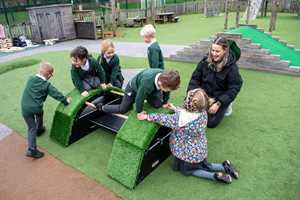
[93, 155]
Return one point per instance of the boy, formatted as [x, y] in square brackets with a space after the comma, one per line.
[154, 85]
[35, 93]
[155, 57]
[86, 72]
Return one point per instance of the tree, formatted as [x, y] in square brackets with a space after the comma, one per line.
[274, 8]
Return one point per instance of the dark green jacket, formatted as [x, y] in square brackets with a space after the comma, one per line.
[144, 85]
[111, 69]
[78, 74]
[35, 93]
[155, 57]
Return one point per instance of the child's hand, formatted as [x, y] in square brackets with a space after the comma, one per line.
[103, 86]
[85, 93]
[142, 116]
[109, 85]
[90, 104]
[169, 106]
[69, 99]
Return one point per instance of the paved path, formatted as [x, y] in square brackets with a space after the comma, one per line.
[132, 49]
[24, 178]
[4, 131]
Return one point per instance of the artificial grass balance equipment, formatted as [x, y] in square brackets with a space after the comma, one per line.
[139, 146]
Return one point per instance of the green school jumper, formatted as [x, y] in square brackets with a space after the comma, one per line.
[143, 84]
[112, 69]
[155, 57]
[78, 74]
[35, 93]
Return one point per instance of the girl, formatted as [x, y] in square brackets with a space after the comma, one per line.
[188, 141]
[111, 64]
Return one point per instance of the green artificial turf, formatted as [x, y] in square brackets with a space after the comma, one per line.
[191, 28]
[17, 64]
[267, 42]
[261, 137]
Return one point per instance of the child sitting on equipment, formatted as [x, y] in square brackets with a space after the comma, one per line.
[188, 141]
[153, 85]
[86, 72]
[155, 57]
[110, 63]
[35, 93]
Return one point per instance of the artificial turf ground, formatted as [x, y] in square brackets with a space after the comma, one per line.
[261, 137]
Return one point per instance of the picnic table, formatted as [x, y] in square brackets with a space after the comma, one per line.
[166, 17]
[136, 21]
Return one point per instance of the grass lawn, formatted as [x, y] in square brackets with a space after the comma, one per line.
[192, 28]
[261, 137]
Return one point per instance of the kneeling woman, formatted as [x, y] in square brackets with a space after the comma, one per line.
[218, 75]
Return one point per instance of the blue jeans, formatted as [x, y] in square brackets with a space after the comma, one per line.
[34, 123]
[203, 169]
[206, 173]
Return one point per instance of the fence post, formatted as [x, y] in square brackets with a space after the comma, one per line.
[226, 15]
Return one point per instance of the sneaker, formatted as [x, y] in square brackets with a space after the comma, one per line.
[225, 178]
[41, 131]
[230, 169]
[228, 110]
[34, 154]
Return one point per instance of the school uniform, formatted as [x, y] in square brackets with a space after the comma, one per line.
[112, 70]
[35, 93]
[88, 76]
[144, 86]
[155, 57]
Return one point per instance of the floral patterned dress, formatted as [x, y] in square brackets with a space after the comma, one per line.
[187, 143]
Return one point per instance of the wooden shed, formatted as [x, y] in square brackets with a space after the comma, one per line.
[52, 21]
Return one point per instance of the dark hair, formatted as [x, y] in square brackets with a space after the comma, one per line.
[79, 52]
[169, 79]
[222, 42]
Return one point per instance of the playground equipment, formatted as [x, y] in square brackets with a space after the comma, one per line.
[259, 51]
[139, 146]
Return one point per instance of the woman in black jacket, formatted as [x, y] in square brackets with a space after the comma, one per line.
[219, 76]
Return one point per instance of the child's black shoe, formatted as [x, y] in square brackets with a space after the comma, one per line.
[225, 178]
[34, 154]
[229, 169]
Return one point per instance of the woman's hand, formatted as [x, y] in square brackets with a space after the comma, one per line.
[142, 115]
[214, 108]
[85, 93]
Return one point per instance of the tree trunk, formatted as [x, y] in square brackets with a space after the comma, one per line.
[226, 15]
[205, 8]
[237, 18]
[114, 15]
[274, 7]
[263, 8]
[248, 12]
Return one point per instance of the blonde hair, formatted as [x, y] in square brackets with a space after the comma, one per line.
[106, 44]
[196, 100]
[45, 68]
[148, 30]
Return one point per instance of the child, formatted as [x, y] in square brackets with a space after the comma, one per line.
[86, 72]
[155, 57]
[188, 142]
[153, 85]
[35, 93]
[110, 63]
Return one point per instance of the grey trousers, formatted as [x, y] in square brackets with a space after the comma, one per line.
[34, 123]
[91, 82]
[155, 99]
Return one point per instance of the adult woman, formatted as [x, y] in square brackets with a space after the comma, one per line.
[219, 76]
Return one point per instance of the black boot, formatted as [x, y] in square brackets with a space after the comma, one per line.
[34, 154]
[229, 169]
[224, 178]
